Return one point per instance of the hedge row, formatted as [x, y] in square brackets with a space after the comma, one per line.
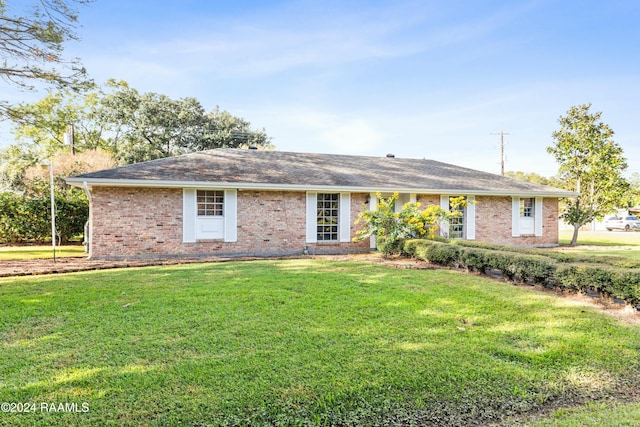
[564, 257]
[28, 219]
[524, 267]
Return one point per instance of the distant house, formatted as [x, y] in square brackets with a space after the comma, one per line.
[251, 202]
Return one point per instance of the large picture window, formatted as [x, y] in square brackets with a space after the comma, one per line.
[328, 217]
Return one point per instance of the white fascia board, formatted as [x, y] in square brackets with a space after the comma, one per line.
[103, 182]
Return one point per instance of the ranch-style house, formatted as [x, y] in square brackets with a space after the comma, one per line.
[252, 202]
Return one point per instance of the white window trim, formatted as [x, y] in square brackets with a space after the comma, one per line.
[469, 216]
[344, 227]
[190, 214]
[373, 204]
[444, 225]
[312, 220]
[230, 216]
[537, 216]
[344, 218]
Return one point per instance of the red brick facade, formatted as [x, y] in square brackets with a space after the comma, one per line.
[148, 222]
[493, 222]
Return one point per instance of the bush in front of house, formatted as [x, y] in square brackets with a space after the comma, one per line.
[623, 283]
[391, 227]
[512, 265]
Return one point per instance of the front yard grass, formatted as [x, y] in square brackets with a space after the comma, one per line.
[596, 246]
[602, 238]
[300, 342]
[14, 253]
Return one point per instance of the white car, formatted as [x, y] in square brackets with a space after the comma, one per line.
[626, 223]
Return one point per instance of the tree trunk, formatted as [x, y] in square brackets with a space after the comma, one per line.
[574, 239]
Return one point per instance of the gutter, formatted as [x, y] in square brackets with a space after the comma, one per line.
[105, 182]
[87, 227]
[85, 186]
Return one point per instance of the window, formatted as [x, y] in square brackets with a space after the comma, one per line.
[210, 203]
[328, 216]
[456, 223]
[527, 207]
[462, 226]
[527, 216]
[209, 215]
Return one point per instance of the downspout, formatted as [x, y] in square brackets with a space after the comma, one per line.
[87, 227]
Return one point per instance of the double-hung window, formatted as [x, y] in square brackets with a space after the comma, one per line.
[461, 225]
[457, 230]
[527, 207]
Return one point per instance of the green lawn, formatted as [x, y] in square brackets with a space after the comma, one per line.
[602, 238]
[598, 247]
[13, 253]
[300, 342]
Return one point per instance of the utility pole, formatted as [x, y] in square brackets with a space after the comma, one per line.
[502, 134]
[69, 138]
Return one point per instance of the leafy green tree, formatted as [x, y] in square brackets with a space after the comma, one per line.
[32, 37]
[40, 128]
[535, 178]
[149, 126]
[632, 197]
[116, 119]
[591, 164]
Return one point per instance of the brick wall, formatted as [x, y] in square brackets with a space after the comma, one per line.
[493, 222]
[147, 222]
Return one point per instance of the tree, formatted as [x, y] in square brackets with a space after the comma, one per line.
[591, 164]
[149, 126]
[117, 120]
[32, 36]
[632, 197]
[535, 178]
[40, 128]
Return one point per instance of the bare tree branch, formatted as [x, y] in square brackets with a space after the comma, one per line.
[32, 36]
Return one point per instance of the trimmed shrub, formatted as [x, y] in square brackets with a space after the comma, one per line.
[622, 283]
[475, 259]
[28, 219]
[626, 285]
[532, 268]
[443, 254]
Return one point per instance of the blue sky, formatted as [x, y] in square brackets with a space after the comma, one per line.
[418, 79]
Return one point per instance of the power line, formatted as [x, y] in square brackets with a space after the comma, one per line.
[502, 134]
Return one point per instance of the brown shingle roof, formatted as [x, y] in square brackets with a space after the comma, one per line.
[278, 169]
